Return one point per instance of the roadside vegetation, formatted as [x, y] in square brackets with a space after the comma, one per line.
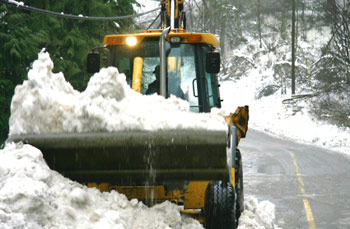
[23, 34]
[256, 36]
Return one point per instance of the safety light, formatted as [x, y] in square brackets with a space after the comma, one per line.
[194, 38]
[175, 40]
[131, 41]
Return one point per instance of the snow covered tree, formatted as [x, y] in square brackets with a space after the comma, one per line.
[333, 69]
[341, 33]
[334, 72]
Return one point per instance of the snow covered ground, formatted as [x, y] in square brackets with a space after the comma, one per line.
[268, 113]
[33, 196]
[271, 116]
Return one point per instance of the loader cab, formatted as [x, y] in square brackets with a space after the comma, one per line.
[191, 68]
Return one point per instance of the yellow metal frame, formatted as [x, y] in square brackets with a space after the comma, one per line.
[203, 38]
[137, 74]
[194, 196]
[167, 4]
[240, 120]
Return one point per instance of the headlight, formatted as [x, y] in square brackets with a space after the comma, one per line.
[131, 41]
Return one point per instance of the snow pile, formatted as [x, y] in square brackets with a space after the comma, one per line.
[47, 103]
[257, 215]
[33, 196]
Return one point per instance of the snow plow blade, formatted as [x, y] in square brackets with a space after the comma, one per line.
[135, 157]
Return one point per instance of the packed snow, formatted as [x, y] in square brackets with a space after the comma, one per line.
[33, 196]
[258, 215]
[17, 3]
[47, 103]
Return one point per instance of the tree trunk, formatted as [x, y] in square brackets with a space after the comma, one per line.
[293, 47]
[332, 10]
[238, 18]
[303, 24]
[284, 21]
[190, 21]
[204, 16]
[223, 38]
[259, 23]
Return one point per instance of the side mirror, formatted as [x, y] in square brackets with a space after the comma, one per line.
[212, 63]
[93, 62]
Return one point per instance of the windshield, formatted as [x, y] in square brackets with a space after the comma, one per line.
[182, 72]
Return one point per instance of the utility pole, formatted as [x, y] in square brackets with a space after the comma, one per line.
[293, 47]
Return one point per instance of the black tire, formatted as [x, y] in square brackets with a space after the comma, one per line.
[219, 206]
[239, 185]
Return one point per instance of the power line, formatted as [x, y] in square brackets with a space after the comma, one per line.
[70, 16]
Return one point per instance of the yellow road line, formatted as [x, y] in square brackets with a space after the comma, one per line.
[309, 216]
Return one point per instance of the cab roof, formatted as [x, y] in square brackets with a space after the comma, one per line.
[186, 38]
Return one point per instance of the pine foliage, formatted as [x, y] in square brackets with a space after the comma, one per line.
[23, 34]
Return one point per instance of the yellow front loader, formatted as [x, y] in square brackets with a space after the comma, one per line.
[201, 170]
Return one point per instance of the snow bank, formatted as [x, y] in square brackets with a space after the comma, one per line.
[47, 103]
[257, 215]
[33, 196]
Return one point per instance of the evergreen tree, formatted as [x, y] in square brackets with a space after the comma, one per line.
[23, 34]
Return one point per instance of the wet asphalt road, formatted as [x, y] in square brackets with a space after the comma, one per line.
[309, 186]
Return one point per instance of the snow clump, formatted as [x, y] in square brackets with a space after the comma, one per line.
[257, 215]
[33, 196]
[47, 103]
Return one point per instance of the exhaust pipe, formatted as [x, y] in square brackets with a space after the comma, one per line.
[162, 54]
[172, 16]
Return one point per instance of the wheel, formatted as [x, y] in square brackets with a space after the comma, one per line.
[219, 206]
[239, 185]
